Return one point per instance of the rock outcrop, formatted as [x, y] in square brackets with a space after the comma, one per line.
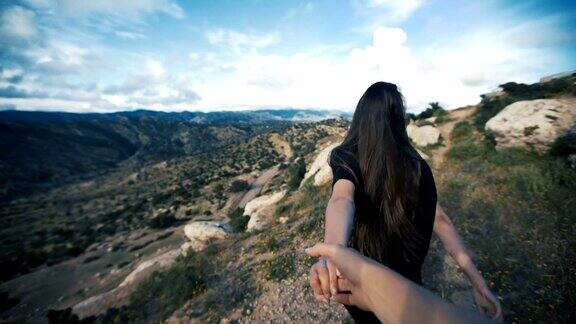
[120, 294]
[201, 232]
[320, 169]
[532, 123]
[424, 135]
[255, 209]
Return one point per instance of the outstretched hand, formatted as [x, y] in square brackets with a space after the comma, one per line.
[486, 302]
[324, 279]
[347, 289]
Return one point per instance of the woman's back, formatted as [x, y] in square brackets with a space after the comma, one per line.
[404, 259]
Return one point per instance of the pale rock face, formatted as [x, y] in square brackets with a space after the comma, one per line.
[320, 169]
[201, 232]
[120, 294]
[423, 136]
[255, 207]
[532, 123]
[146, 268]
[431, 119]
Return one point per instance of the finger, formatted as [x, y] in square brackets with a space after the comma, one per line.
[320, 298]
[333, 278]
[320, 249]
[344, 284]
[496, 307]
[343, 298]
[324, 281]
[315, 282]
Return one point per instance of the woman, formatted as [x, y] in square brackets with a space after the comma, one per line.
[383, 202]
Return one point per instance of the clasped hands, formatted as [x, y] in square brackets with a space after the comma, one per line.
[329, 283]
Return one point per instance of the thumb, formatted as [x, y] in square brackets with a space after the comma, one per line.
[320, 249]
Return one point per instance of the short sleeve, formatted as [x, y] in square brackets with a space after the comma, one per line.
[337, 159]
[427, 187]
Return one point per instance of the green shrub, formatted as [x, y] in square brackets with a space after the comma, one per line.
[164, 292]
[238, 220]
[461, 131]
[163, 220]
[267, 244]
[467, 149]
[238, 185]
[282, 210]
[279, 267]
[296, 173]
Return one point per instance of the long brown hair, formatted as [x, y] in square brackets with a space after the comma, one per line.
[390, 168]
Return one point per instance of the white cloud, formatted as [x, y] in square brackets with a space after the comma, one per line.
[155, 68]
[18, 22]
[454, 74]
[538, 33]
[129, 35]
[236, 40]
[386, 12]
[116, 7]
[397, 9]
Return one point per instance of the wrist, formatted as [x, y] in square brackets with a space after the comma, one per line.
[339, 242]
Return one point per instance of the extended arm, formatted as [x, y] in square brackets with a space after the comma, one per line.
[340, 213]
[394, 299]
[338, 225]
[444, 228]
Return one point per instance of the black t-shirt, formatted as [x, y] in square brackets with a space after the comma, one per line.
[423, 221]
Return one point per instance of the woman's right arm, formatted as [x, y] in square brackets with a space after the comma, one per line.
[338, 226]
[486, 301]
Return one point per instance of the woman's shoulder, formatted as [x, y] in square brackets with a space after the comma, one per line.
[342, 154]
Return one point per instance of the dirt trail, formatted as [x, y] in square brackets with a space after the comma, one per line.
[257, 185]
[445, 129]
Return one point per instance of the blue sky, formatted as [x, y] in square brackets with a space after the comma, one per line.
[111, 55]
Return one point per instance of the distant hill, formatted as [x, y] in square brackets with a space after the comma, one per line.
[247, 116]
[45, 148]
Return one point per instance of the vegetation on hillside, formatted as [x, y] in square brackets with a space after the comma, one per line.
[516, 211]
[434, 109]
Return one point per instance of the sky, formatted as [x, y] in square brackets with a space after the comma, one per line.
[172, 55]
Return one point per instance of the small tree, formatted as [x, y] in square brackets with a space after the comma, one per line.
[296, 173]
[238, 185]
[238, 220]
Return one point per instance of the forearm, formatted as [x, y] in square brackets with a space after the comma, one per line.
[456, 248]
[394, 299]
[339, 220]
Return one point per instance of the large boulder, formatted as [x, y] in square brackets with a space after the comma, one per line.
[255, 209]
[320, 169]
[201, 232]
[532, 123]
[424, 135]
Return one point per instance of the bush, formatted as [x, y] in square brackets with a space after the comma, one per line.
[238, 185]
[238, 220]
[282, 209]
[279, 267]
[163, 220]
[296, 173]
[468, 149]
[461, 131]
[434, 110]
[267, 244]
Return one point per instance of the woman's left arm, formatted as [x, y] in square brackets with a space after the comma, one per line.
[486, 301]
